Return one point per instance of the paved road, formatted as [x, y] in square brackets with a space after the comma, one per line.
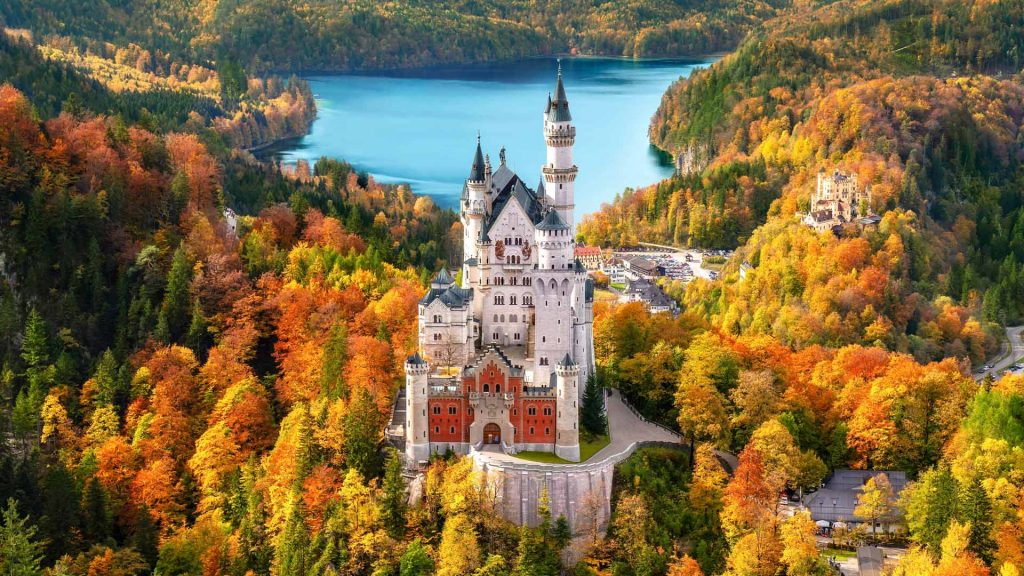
[1012, 351]
[625, 427]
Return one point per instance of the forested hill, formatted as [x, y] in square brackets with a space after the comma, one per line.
[923, 101]
[364, 34]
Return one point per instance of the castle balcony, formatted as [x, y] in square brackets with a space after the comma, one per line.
[561, 175]
[446, 388]
[556, 131]
[491, 399]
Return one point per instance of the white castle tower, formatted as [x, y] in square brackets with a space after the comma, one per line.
[567, 440]
[559, 171]
[417, 438]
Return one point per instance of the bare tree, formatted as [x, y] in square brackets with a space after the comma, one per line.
[449, 350]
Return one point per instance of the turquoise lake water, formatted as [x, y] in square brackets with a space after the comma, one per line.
[420, 127]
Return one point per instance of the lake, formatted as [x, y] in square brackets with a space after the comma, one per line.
[420, 127]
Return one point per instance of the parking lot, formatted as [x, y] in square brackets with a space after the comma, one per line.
[684, 265]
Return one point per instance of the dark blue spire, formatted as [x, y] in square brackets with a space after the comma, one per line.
[476, 174]
[558, 110]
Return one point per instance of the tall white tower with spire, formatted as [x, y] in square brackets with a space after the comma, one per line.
[559, 171]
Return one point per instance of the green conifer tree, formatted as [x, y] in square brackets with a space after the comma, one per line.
[362, 425]
[393, 501]
[20, 551]
[416, 561]
[293, 556]
[592, 417]
[176, 307]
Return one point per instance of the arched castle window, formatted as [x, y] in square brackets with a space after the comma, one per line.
[512, 300]
[513, 318]
[547, 411]
[531, 411]
[437, 409]
[497, 388]
[487, 387]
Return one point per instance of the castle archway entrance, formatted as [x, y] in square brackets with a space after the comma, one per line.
[492, 434]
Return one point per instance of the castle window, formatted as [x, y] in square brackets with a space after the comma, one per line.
[531, 429]
[451, 430]
[497, 388]
[516, 336]
[437, 409]
[487, 387]
[502, 318]
[547, 431]
[495, 318]
[512, 299]
[512, 317]
[437, 429]
[452, 410]
[494, 336]
[437, 337]
[515, 412]
[547, 411]
[531, 411]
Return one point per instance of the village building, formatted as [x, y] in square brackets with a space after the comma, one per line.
[591, 257]
[643, 290]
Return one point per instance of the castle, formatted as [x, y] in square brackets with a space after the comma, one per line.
[837, 201]
[506, 351]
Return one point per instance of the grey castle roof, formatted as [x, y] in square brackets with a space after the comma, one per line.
[552, 221]
[558, 111]
[444, 278]
[415, 359]
[476, 173]
[452, 297]
[507, 186]
[567, 361]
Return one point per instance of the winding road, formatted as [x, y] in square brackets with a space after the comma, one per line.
[1012, 351]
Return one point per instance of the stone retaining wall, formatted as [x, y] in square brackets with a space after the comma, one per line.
[580, 492]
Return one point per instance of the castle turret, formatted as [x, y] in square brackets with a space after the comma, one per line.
[417, 440]
[474, 207]
[554, 282]
[567, 434]
[559, 171]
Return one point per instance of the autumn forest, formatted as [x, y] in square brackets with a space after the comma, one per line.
[200, 351]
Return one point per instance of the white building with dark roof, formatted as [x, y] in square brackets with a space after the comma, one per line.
[505, 353]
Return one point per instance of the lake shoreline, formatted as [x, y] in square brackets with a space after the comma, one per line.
[418, 127]
[400, 72]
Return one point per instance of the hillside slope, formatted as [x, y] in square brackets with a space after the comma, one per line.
[915, 97]
[334, 35]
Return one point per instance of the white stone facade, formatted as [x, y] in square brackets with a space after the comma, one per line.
[522, 294]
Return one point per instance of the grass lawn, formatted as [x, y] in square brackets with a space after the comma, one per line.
[619, 287]
[838, 553]
[587, 449]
